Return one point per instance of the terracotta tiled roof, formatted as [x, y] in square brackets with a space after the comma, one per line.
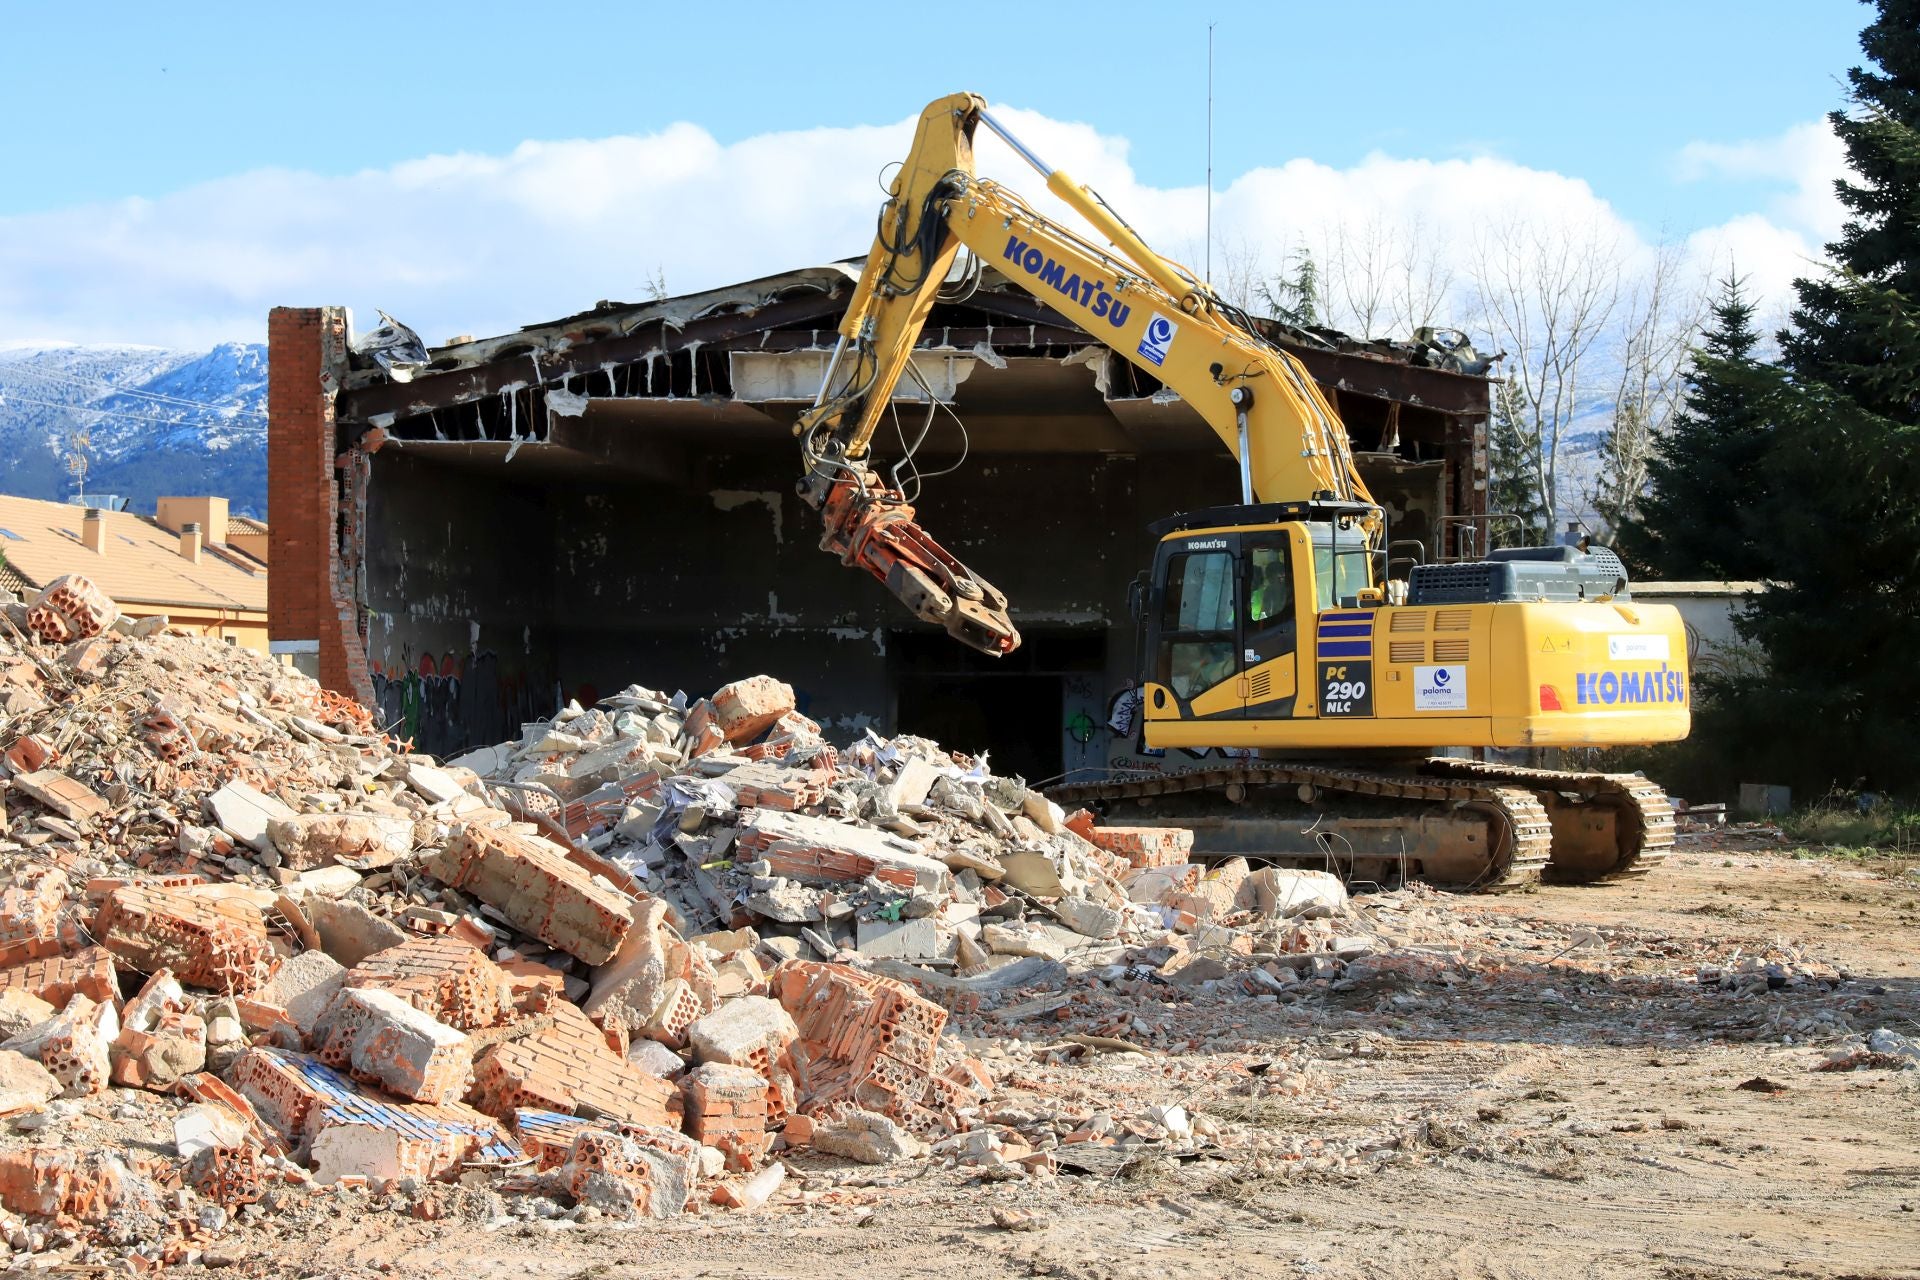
[142, 563]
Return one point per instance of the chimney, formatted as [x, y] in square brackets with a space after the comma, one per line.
[190, 541]
[93, 531]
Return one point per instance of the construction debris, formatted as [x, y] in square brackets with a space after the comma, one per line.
[664, 955]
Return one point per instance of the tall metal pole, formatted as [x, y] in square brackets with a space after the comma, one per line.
[1210, 27]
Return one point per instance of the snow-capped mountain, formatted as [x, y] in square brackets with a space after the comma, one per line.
[150, 422]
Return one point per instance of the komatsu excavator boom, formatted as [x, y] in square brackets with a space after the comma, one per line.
[1269, 624]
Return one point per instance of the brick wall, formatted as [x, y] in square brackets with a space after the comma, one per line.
[308, 596]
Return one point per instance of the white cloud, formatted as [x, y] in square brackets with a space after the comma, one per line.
[472, 243]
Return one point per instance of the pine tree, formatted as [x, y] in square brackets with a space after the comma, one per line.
[1701, 517]
[1295, 299]
[1513, 483]
[1840, 629]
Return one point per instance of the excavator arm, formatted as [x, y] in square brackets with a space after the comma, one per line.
[1256, 397]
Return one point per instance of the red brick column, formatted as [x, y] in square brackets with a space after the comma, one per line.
[307, 596]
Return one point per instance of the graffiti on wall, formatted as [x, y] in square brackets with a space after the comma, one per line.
[449, 703]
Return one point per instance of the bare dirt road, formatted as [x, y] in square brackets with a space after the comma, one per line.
[1550, 1089]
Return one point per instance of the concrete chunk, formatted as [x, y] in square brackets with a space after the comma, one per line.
[304, 986]
[244, 814]
[899, 939]
[348, 931]
[739, 1029]
[24, 1083]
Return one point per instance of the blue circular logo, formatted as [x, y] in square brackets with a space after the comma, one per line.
[1441, 676]
[1161, 329]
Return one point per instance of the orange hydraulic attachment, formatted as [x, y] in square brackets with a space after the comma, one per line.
[871, 525]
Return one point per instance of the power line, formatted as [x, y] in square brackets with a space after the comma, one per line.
[145, 395]
[7, 397]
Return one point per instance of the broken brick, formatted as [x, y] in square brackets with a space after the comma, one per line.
[1143, 846]
[568, 1067]
[747, 708]
[57, 979]
[219, 944]
[441, 976]
[538, 889]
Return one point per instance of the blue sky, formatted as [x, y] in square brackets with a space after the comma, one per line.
[118, 101]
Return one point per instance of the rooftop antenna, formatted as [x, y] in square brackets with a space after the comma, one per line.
[1210, 27]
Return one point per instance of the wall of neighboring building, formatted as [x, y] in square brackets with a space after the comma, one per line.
[1708, 609]
[244, 628]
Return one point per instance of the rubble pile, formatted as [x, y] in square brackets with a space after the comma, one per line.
[740, 815]
[632, 964]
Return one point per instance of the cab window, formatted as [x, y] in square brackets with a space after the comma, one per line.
[1269, 592]
[1338, 579]
[1197, 619]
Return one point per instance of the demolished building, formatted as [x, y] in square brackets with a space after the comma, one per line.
[469, 539]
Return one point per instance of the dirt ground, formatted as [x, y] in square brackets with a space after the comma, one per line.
[1557, 1095]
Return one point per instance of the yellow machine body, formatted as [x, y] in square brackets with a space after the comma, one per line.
[1587, 673]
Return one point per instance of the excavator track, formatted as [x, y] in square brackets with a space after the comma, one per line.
[1607, 826]
[1514, 856]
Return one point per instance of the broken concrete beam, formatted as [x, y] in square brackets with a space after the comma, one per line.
[535, 887]
[899, 939]
[747, 708]
[437, 785]
[442, 976]
[1089, 919]
[220, 944]
[245, 814]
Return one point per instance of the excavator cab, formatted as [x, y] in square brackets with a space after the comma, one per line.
[1232, 592]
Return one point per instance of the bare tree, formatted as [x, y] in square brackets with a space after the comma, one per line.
[1546, 293]
[1238, 270]
[1382, 279]
[1662, 315]
[1423, 283]
[1357, 274]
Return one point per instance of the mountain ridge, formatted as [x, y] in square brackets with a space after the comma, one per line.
[158, 422]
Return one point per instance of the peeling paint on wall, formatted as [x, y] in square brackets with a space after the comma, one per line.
[731, 499]
[877, 635]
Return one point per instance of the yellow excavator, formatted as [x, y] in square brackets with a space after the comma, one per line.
[1270, 625]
